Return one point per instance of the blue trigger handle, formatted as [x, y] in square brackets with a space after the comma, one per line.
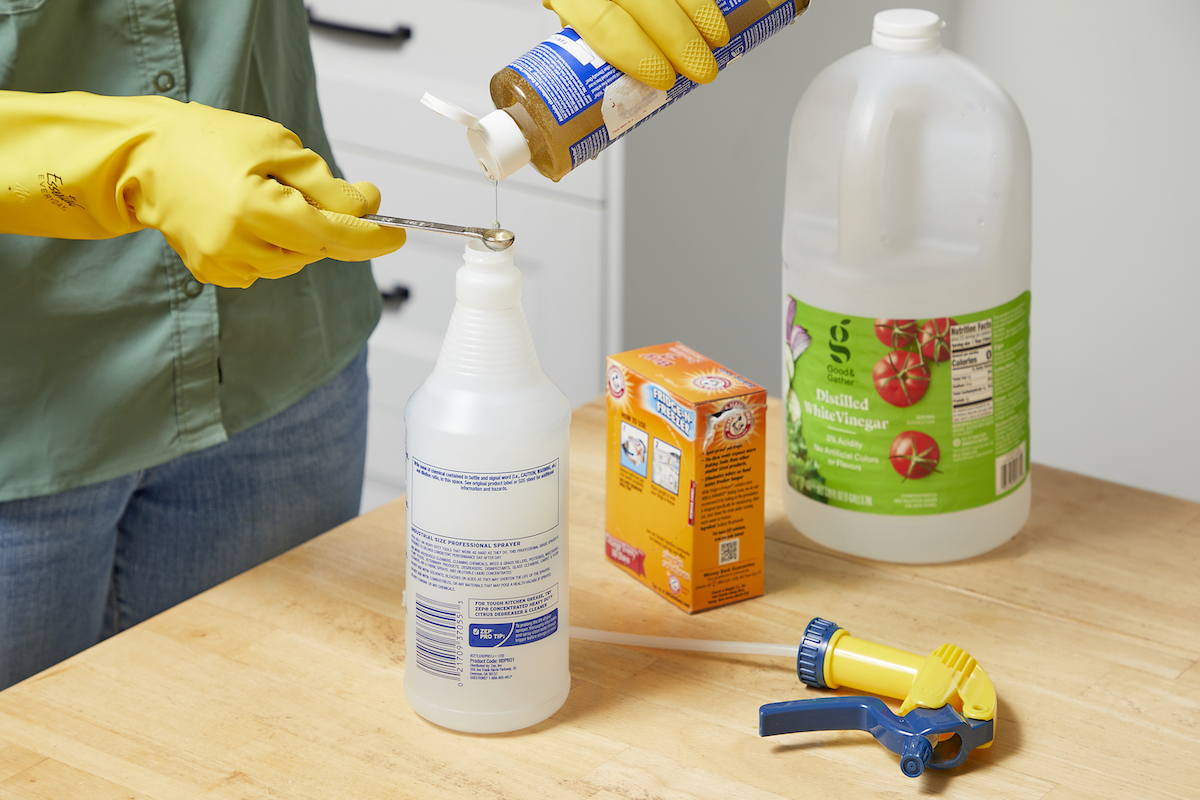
[915, 737]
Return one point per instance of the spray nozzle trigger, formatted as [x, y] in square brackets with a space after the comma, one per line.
[948, 708]
[949, 703]
[939, 738]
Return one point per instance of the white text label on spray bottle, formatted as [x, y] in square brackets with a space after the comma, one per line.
[907, 416]
[478, 599]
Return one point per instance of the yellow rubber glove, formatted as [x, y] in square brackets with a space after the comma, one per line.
[650, 40]
[237, 196]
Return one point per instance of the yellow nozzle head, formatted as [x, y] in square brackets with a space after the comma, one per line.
[831, 658]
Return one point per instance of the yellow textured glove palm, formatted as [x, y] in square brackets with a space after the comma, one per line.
[237, 196]
[650, 40]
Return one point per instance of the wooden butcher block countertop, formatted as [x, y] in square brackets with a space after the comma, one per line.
[287, 681]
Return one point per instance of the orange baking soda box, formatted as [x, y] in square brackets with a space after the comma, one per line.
[686, 476]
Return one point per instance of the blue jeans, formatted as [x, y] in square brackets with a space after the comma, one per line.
[84, 564]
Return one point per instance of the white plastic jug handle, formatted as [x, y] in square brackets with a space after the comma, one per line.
[860, 184]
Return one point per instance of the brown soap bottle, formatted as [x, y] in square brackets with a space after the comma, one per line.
[559, 104]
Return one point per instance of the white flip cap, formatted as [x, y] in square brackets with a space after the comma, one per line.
[496, 140]
[907, 29]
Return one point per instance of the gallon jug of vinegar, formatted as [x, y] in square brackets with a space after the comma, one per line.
[906, 276]
[486, 439]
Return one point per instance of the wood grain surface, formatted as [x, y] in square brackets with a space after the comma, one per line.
[286, 682]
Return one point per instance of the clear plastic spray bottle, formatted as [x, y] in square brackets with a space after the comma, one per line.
[486, 440]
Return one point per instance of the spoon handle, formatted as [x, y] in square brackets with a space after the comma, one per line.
[416, 224]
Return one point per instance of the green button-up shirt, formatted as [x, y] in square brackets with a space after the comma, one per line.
[112, 357]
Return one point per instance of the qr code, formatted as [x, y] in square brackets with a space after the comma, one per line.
[729, 551]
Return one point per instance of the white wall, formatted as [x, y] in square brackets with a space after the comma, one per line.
[1109, 91]
[704, 197]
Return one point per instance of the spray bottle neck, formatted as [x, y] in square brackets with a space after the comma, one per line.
[488, 336]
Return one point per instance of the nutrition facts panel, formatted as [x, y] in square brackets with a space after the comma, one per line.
[971, 370]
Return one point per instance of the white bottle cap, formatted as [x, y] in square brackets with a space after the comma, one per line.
[496, 139]
[907, 29]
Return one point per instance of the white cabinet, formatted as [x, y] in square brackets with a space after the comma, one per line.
[568, 234]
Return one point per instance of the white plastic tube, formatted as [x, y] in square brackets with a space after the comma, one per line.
[697, 645]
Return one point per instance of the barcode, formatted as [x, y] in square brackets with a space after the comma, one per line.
[1010, 469]
[729, 551]
[437, 647]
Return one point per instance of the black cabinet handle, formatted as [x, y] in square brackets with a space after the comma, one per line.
[394, 298]
[397, 36]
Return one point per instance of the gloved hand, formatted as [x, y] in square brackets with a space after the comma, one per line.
[237, 196]
[650, 40]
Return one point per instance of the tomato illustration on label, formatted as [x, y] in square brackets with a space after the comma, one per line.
[896, 333]
[935, 339]
[901, 378]
[914, 455]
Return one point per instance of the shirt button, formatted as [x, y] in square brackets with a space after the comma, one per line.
[193, 288]
[164, 81]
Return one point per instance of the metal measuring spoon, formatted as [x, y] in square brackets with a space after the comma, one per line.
[495, 239]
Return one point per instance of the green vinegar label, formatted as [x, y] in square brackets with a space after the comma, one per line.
[907, 416]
